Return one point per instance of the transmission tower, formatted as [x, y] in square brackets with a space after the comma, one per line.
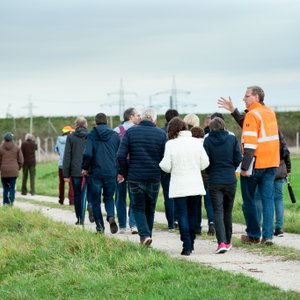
[121, 93]
[30, 107]
[173, 92]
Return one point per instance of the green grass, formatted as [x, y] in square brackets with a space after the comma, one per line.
[41, 259]
[47, 184]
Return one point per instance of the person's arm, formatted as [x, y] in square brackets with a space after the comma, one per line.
[237, 155]
[228, 105]
[284, 152]
[122, 155]
[87, 155]
[166, 163]
[20, 158]
[67, 158]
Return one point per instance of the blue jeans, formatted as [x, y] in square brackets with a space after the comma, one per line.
[9, 184]
[94, 192]
[143, 200]
[278, 201]
[222, 197]
[187, 219]
[263, 179]
[121, 192]
[169, 203]
[76, 184]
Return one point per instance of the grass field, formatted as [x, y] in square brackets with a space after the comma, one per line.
[47, 184]
[41, 259]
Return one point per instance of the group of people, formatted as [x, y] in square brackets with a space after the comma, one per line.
[187, 161]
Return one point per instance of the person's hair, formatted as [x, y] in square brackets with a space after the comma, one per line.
[149, 114]
[81, 122]
[29, 137]
[217, 124]
[175, 126]
[170, 114]
[256, 90]
[100, 119]
[197, 132]
[128, 113]
[191, 120]
[217, 114]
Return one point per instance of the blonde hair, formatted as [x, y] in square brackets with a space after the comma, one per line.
[191, 120]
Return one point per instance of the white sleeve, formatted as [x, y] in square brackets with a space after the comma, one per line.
[204, 160]
[166, 163]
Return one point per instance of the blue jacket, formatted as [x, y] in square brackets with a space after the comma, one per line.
[60, 149]
[100, 154]
[224, 154]
[145, 144]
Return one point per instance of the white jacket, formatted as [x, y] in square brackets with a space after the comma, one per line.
[184, 158]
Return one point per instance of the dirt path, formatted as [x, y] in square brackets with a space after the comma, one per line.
[272, 270]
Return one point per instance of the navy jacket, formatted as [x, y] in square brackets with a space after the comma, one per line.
[75, 144]
[224, 154]
[100, 153]
[145, 144]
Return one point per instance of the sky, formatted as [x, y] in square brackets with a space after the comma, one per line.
[67, 57]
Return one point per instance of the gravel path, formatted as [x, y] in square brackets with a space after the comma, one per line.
[269, 269]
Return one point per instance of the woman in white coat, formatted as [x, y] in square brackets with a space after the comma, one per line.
[184, 158]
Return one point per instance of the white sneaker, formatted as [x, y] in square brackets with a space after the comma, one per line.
[122, 230]
[134, 230]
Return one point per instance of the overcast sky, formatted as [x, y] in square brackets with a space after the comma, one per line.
[67, 55]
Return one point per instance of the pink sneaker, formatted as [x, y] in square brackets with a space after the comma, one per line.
[221, 248]
[228, 246]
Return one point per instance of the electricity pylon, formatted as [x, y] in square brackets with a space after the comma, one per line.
[30, 107]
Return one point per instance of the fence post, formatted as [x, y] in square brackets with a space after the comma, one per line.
[297, 142]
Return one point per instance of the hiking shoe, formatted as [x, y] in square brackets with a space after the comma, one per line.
[171, 230]
[78, 222]
[278, 232]
[134, 230]
[211, 229]
[186, 252]
[221, 248]
[248, 240]
[61, 202]
[267, 242]
[146, 241]
[113, 225]
[228, 246]
[122, 230]
[198, 232]
[91, 215]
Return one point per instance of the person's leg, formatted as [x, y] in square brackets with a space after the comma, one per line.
[5, 185]
[71, 193]
[192, 203]
[258, 203]
[24, 180]
[32, 179]
[152, 190]
[229, 194]
[169, 203]
[61, 186]
[94, 190]
[208, 207]
[216, 192]
[183, 222]
[121, 204]
[12, 189]
[248, 187]
[138, 203]
[266, 189]
[198, 212]
[278, 201]
[76, 182]
[132, 222]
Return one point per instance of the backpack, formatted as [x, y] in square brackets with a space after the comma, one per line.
[122, 131]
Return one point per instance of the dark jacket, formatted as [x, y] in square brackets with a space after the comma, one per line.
[224, 155]
[75, 145]
[11, 159]
[100, 154]
[28, 148]
[145, 144]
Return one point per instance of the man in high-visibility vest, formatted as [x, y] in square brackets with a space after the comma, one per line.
[260, 159]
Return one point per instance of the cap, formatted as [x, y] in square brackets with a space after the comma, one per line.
[8, 136]
[67, 129]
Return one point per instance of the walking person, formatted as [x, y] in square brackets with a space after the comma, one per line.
[185, 158]
[225, 156]
[261, 154]
[60, 150]
[131, 117]
[72, 160]
[99, 165]
[11, 161]
[28, 148]
[145, 144]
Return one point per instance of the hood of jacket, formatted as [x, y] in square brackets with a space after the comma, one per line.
[81, 132]
[218, 137]
[102, 132]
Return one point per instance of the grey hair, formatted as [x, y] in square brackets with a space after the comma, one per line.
[191, 120]
[81, 122]
[217, 124]
[29, 136]
[149, 114]
[256, 90]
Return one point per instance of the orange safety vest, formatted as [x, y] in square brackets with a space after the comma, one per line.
[260, 132]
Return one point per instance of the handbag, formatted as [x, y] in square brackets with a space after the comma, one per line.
[291, 192]
[281, 171]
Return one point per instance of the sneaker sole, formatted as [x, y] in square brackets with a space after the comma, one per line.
[221, 251]
[147, 242]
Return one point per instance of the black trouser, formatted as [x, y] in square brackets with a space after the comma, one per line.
[31, 170]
